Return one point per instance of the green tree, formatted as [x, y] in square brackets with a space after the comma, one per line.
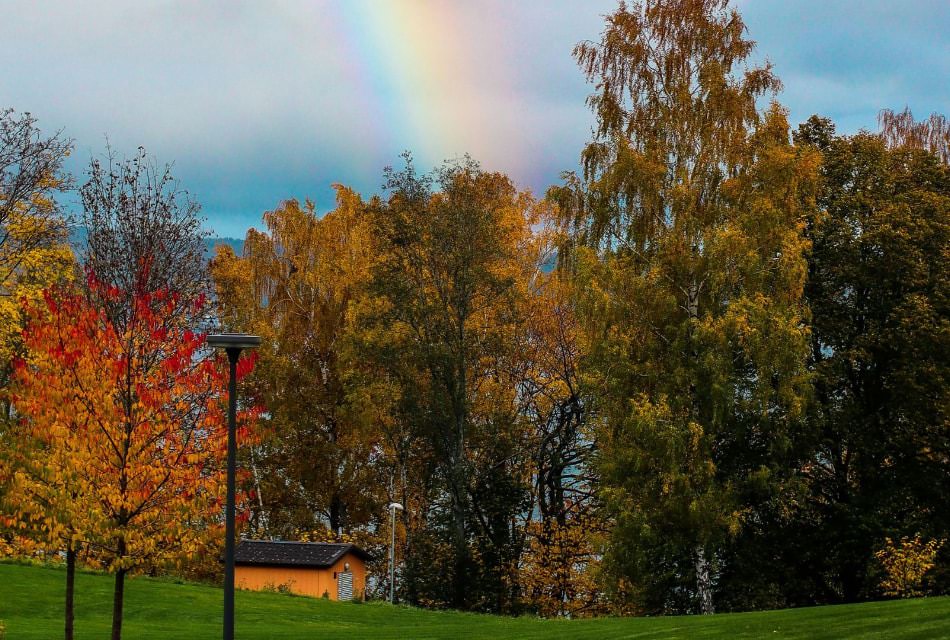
[880, 348]
[455, 255]
[686, 238]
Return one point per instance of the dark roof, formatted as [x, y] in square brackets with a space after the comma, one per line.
[293, 554]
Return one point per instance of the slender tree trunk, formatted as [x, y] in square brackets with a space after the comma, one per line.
[703, 581]
[118, 596]
[117, 604]
[70, 585]
[336, 514]
[261, 524]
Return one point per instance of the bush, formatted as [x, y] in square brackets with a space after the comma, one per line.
[905, 563]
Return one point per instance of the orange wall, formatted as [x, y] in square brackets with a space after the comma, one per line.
[302, 580]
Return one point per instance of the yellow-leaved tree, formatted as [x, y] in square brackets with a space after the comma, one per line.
[906, 562]
[34, 253]
[296, 286]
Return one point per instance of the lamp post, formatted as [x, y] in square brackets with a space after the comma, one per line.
[392, 551]
[233, 344]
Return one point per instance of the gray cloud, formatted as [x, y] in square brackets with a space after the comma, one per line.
[256, 102]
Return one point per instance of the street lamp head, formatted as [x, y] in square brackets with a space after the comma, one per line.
[395, 505]
[233, 341]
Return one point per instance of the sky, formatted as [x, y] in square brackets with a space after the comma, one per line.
[258, 102]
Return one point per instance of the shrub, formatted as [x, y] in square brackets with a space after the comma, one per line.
[905, 564]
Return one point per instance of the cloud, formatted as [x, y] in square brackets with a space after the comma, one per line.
[258, 102]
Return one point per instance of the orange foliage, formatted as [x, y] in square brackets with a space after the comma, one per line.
[559, 576]
[126, 431]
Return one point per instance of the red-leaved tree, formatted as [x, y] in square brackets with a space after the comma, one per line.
[134, 420]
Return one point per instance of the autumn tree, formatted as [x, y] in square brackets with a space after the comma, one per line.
[146, 443]
[553, 400]
[686, 239]
[33, 255]
[448, 288]
[144, 234]
[906, 563]
[45, 500]
[899, 129]
[296, 286]
[559, 570]
[33, 228]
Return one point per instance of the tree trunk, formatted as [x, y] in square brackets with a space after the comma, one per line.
[70, 583]
[336, 514]
[703, 581]
[260, 524]
[117, 604]
[119, 594]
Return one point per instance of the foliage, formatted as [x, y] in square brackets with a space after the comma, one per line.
[134, 435]
[33, 228]
[685, 236]
[144, 235]
[296, 286]
[878, 291]
[901, 130]
[559, 574]
[552, 399]
[455, 255]
[905, 563]
[285, 588]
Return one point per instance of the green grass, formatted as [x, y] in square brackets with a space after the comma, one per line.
[31, 606]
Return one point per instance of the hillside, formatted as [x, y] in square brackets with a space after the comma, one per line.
[78, 235]
[31, 607]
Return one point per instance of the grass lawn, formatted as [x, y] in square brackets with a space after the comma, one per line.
[31, 601]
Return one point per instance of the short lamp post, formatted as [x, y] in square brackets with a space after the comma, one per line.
[233, 344]
[392, 551]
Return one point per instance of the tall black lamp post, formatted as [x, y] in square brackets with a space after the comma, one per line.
[233, 344]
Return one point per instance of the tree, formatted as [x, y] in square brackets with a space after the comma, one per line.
[685, 233]
[448, 293]
[905, 563]
[45, 498]
[559, 572]
[33, 255]
[878, 291]
[144, 236]
[297, 286]
[146, 445]
[901, 130]
[33, 229]
[552, 398]
[559, 569]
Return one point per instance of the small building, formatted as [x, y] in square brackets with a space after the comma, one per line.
[337, 571]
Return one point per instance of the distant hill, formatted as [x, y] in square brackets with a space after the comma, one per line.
[235, 243]
[78, 235]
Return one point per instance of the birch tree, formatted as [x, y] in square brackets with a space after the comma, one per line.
[685, 230]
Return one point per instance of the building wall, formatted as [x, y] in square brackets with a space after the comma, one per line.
[302, 580]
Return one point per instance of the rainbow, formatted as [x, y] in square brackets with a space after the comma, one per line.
[414, 74]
